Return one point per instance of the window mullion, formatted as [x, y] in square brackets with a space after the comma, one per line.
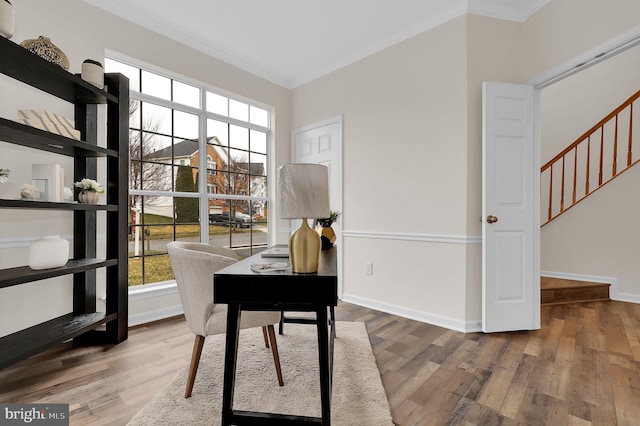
[203, 175]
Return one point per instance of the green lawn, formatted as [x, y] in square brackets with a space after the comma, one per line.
[158, 268]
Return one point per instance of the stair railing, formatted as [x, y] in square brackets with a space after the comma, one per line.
[569, 177]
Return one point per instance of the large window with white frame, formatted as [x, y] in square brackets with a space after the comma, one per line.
[198, 169]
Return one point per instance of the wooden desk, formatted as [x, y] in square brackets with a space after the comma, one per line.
[244, 290]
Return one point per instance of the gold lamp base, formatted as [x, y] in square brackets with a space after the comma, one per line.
[304, 249]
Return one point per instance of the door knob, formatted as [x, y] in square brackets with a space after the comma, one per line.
[492, 219]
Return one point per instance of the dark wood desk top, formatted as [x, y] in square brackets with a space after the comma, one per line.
[237, 283]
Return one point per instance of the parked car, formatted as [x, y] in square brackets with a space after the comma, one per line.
[243, 219]
[224, 219]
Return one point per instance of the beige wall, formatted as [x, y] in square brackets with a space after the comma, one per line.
[565, 29]
[405, 175]
[494, 54]
[83, 31]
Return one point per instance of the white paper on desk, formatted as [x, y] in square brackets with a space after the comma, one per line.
[269, 267]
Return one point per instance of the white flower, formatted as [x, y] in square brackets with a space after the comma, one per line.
[4, 175]
[90, 185]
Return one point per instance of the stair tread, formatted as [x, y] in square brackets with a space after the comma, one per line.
[554, 291]
[547, 283]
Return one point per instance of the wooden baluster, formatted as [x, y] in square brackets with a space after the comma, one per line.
[601, 154]
[575, 174]
[586, 188]
[630, 134]
[615, 150]
[562, 187]
[550, 193]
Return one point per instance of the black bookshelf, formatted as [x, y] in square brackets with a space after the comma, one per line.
[84, 324]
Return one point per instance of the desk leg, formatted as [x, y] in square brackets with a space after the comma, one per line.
[323, 356]
[230, 362]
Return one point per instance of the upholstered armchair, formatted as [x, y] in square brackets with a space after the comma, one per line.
[193, 267]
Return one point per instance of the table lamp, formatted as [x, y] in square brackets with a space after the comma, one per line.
[304, 194]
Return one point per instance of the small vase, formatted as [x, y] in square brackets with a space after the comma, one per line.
[88, 197]
[50, 251]
[93, 73]
[43, 47]
[6, 18]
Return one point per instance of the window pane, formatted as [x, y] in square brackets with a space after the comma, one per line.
[217, 104]
[219, 130]
[156, 118]
[258, 116]
[186, 179]
[258, 186]
[237, 183]
[134, 114]
[157, 268]
[135, 171]
[135, 147]
[156, 85]
[186, 94]
[135, 270]
[218, 153]
[187, 212]
[258, 141]
[155, 147]
[260, 214]
[238, 137]
[238, 110]
[239, 160]
[155, 177]
[132, 73]
[258, 165]
[185, 125]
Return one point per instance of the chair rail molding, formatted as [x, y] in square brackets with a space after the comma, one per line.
[429, 238]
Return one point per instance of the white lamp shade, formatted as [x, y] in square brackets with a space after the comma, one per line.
[304, 191]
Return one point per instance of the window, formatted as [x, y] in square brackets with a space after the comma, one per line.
[167, 192]
[211, 166]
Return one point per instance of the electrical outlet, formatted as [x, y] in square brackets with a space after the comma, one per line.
[368, 268]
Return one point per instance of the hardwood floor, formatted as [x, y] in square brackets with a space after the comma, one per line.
[581, 368]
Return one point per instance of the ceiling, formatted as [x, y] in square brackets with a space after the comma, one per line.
[291, 42]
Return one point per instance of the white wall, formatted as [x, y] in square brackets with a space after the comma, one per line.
[83, 31]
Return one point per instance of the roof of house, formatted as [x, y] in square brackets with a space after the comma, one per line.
[189, 147]
[256, 169]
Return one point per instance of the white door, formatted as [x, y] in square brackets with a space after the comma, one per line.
[321, 143]
[510, 224]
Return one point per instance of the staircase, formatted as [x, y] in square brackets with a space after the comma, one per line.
[594, 159]
[555, 291]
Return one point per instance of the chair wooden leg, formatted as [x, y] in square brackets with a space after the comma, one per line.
[195, 361]
[264, 334]
[274, 351]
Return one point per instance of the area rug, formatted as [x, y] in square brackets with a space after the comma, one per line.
[358, 396]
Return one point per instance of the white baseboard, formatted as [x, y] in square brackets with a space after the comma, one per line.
[614, 294]
[151, 291]
[426, 317]
[155, 315]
